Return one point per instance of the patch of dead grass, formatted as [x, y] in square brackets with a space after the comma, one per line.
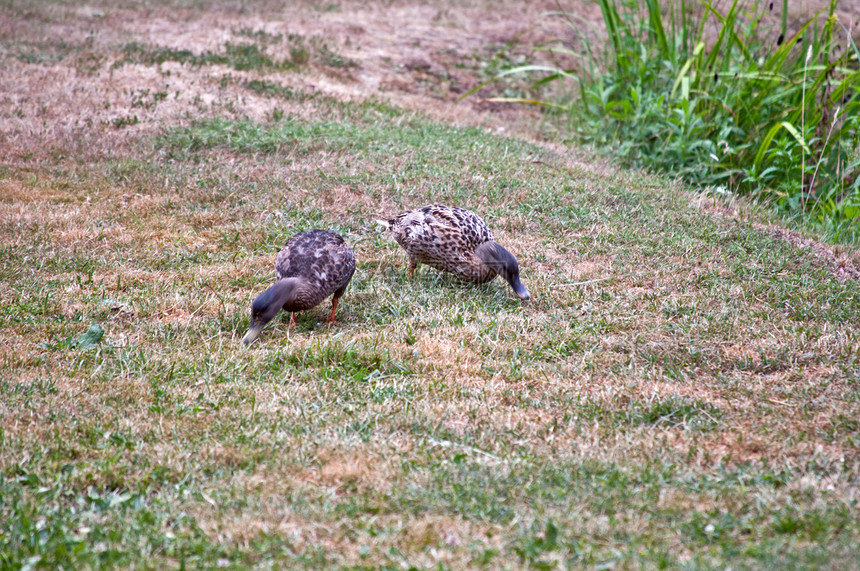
[360, 468]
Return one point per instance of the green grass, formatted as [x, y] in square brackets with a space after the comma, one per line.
[680, 392]
[434, 401]
[725, 97]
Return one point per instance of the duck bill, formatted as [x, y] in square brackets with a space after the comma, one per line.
[520, 289]
[253, 333]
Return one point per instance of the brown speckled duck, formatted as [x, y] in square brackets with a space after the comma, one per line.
[313, 265]
[455, 240]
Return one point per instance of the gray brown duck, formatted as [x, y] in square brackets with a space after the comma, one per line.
[312, 266]
[455, 240]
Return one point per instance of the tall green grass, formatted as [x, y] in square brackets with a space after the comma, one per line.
[724, 99]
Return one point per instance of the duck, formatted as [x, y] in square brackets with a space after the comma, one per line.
[312, 266]
[455, 240]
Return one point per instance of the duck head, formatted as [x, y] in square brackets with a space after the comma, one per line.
[267, 305]
[503, 263]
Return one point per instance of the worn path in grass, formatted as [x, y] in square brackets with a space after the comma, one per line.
[682, 390]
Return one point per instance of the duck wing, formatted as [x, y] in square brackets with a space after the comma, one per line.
[321, 258]
[440, 228]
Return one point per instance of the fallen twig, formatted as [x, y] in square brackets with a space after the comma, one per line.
[585, 282]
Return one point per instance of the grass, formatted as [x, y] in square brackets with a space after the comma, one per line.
[725, 97]
[242, 55]
[679, 393]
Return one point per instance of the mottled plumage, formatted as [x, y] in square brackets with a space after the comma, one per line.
[312, 266]
[454, 240]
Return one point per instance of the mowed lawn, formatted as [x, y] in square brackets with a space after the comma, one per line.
[682, 390]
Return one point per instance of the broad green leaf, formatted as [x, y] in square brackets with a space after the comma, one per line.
[91, 338]
[765, 144]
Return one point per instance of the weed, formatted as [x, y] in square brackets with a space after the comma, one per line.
[126, 121]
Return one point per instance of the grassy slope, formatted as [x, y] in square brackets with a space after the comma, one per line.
[694, 403]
